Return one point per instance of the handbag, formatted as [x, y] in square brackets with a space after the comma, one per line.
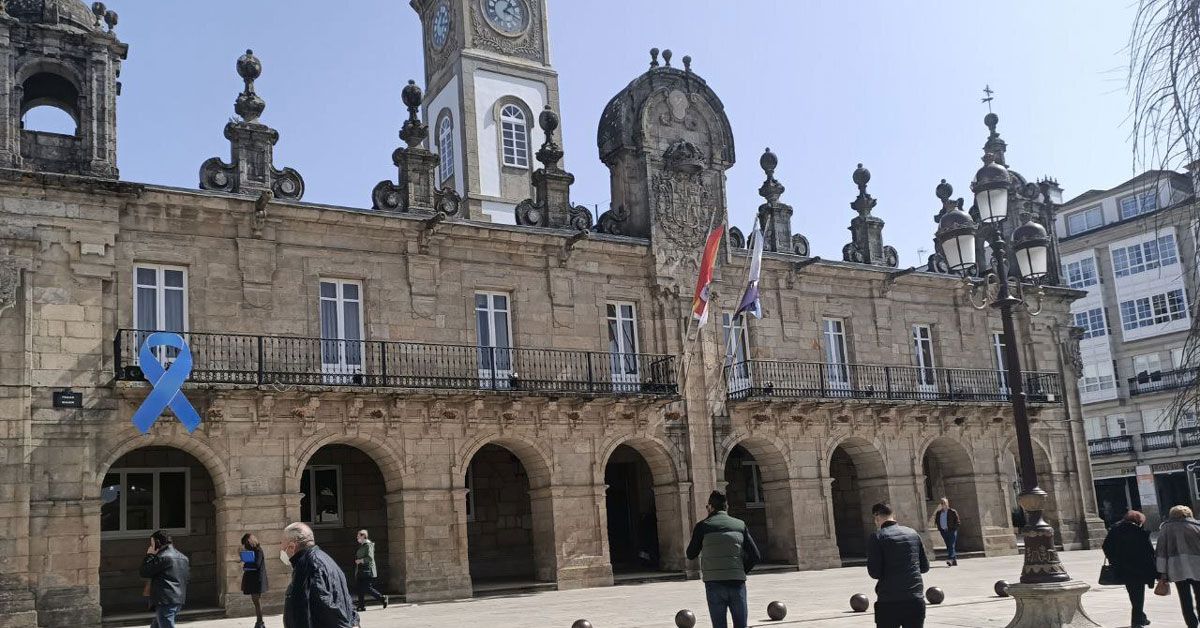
[1108, 574]
[1162, 588]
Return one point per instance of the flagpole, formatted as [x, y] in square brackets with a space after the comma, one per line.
[729, 342]
[690, 344]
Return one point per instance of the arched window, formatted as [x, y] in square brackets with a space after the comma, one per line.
[445, 142]
[514, 135]
[50, 102]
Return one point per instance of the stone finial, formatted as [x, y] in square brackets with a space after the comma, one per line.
[776, 217]
[667, 57]
[248, 105]
[653, 58]
[110, 18]
[414, 131]
[866, 245]
[771, 189]
[687, 63]
[994, 145]
[865, 202]
[550, 153]
[944, 191]
[98, 10]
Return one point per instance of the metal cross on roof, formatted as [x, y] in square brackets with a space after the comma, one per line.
[987, 89]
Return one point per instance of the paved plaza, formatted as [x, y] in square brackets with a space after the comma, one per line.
[816, 598]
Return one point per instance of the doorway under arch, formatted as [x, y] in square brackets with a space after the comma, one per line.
[759, 493]
[859, 481]
[643, 510]
[949, 473]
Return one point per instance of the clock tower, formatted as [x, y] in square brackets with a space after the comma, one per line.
[487, 76]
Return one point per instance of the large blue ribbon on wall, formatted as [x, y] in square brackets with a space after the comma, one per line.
[166, 382]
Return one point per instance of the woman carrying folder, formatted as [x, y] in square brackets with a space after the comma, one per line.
[254, 574]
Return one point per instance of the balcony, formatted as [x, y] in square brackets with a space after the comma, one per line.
[1111, 446]
[1158, 440]
[1159, 381]
[1189, 436]
[807, 380]
[282, 360]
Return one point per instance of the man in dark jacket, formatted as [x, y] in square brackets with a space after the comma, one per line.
[318, 596]
[168, 571]
[727, 553]
[947, 522]
[896, 558]
[1128, 549]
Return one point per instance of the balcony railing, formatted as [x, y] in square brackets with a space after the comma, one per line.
[1158, 440]
[244, 359]
[1189, 436]
[765, 378]
[1111, 446]
[1167, 380]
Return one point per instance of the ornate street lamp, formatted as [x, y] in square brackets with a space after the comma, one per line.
[1046, 597]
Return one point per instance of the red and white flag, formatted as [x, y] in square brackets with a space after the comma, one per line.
[704, 281]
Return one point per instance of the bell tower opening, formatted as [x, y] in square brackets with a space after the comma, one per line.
[50, 104]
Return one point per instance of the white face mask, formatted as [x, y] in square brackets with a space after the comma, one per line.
[283, 556]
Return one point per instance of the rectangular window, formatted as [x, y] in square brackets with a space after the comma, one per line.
[1177, 358]
[1138, 258]
[737, 350]
[321, 495]
[1097, 377]
[1156, 420]
[922, 337]
[341, 326]
[1147, 367]
[135, 502]
[1092, 322]
[1140, 203]
[1093, 428]
[1082, 273]
[494, 338]
[623, 343]
[160, 303]
[838, 373]
[1153, 310]
[1085, 220]
[1116, 425]
[1001, 359]
[754, 489]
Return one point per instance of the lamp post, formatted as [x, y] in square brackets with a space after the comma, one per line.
[1046, 595]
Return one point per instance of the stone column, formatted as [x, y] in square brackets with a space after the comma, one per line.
[570, 516]
[816, 543]
[264, 516]
[434, 530]
[672, 502]
[780, 497]
[65, 535]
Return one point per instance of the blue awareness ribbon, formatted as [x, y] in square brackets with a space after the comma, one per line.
[166, 382]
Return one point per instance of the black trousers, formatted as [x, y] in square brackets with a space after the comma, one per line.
[906, 614]
[1185, 588]
[366, 584]
[1137, 599]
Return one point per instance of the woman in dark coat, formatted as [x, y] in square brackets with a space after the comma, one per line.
[1129, 551]
[254, 574]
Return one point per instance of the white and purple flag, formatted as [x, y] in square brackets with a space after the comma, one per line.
[750, 302]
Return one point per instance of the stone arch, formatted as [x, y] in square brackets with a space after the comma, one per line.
[665, 465]
[379, 450]
[44, 83]
[212, 459]
[1047, 480]
[949, 472]
[535, 458]
[759, 487]
[644, 506]
[858, 473]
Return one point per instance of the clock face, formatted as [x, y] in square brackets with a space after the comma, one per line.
[440, 26]
[510, 17]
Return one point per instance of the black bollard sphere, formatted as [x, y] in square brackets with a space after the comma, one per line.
[685, 619]
[859, 602]
[581, 623]
[776, 610]
[935, 595]
[1001, 588]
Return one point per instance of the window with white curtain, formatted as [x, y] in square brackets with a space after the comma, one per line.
[1116, 425]
[1093, 427]
[1097, 376]
[445, 141]
[160, 298]
[514, 136]
[838, 373]
[341, 326]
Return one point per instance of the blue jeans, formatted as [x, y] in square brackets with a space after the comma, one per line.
[727, 595]
[951, 539]
[164, 615]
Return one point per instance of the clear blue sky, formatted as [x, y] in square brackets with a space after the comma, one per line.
[895, 85]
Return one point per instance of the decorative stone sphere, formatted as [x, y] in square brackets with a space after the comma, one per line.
[776, 610]
[1001, 588]
[248, 66]
[411, 94]
[859, 603]
[768, 161]
[944, 190]
[935, 595]
[581, 623]
[685, 619]
[861, 176]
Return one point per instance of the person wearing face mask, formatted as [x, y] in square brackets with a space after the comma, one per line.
[318, 596]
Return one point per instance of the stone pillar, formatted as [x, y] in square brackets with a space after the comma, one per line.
[434, 530]
[65, 535]
[570, 517]
[672, 502]
[397, 565]
[779, 496]
[816, 543]
[264, 516]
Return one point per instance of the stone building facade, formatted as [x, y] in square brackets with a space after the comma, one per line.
[522, 406]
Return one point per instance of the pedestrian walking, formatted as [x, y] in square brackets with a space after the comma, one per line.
[169, 572]
[254, 574]
[727, 553]
[947, 522]
[1179, 559]
[365, 572]
[896, 558]
[317, 596]
[1127, 548]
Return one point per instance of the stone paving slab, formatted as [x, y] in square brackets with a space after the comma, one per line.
[814, 598]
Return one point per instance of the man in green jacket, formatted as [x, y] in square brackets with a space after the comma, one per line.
[727, 553]
[364, 571]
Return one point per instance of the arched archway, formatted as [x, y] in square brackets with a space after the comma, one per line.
[343, 490]
[1011, 467]
[759, 491]
[152, 488]
[859, 481]
[949, 473]
[643, 509]
[509, 526]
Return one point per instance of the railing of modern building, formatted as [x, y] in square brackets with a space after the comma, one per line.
[1111, 446]
[1146, 383]
[769, 378]
[284, 360]
[1158, 440]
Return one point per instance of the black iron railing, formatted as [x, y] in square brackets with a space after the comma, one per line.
[1189, 436]
[1166, 380]
[245, 359]
[766, 378]
[1158, 440]
[1111, 446]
